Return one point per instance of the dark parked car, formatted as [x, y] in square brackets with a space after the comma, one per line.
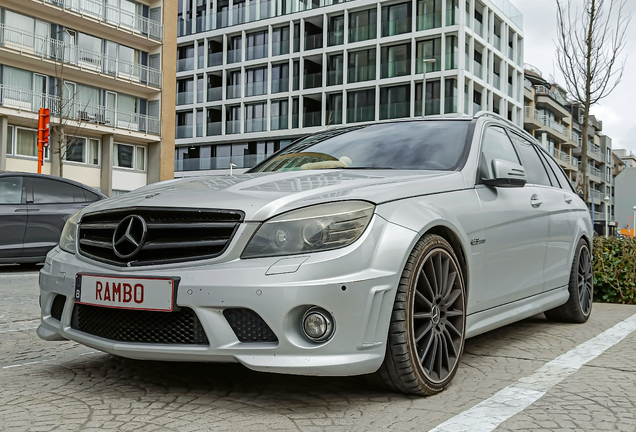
[33, 211]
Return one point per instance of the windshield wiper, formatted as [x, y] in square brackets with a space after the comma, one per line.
[364, 168]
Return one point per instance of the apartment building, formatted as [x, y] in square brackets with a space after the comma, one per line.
[556, 123]
[627, 157]
[106, 71]
[253, 76]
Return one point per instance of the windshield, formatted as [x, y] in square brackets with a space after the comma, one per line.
[413, 145]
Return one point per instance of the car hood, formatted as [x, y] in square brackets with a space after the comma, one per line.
[263, 195]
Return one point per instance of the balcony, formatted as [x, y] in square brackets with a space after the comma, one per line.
[396, 27]
[234, 56]
[335, 37]
[478, 70]
[215, 94]
[219, 162]
[597, 216]
[362, 33]
[496, 81]
[256, 125]
[311, 119]
[232, 127]
[233, 91]
[215, 59]
[58, 51]
[395, 110]
[511, 55]
[185, 64]
[111, 14]
[185, 98]
[395, 68]
[227, 18]
[24, 100]
[334, 77]
[552, 124]
[361, 73]
[333, 117]
[312, 80]
[360, 114]
[497, 42]
[214, 128]
[510, 90]
[430, 67]
[256, 52]
[478, 28]
[280, 48]
[429, 21]
[183, 131]
[280, 85]
[256, 88]
[279, 122]
[542, 90]
[313, 42]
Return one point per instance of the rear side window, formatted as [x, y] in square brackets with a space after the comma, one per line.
[47, 191]
[90, 196]
[496, 145]
[562, 179]
[535, 171]
[11, 190]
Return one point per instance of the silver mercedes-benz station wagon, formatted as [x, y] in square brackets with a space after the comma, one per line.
[375, 248]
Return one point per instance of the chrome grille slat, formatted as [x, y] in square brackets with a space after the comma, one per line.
[173, 235]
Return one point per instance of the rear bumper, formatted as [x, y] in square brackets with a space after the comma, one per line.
[355, 284]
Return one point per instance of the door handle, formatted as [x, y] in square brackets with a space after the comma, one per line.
[34, 210]
[535, 201]
[20, 211]
[567, 198]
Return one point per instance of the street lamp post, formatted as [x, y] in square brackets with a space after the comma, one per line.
[426, 62]
[607, 201]
[634, 223]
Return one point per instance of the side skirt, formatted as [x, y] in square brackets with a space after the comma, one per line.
[491, 319]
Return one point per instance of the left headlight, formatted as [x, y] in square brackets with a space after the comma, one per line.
[69, 234]
[311, 229]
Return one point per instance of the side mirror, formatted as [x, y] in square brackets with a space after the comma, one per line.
[506, 174]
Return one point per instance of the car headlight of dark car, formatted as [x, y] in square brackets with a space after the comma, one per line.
[69, 234]
[311, 229]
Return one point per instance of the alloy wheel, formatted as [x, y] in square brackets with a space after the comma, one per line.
[438, 315]
[585, 280]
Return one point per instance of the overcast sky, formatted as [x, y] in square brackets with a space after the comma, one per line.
[617, 111]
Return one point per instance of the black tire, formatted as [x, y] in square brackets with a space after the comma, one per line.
[429, 311]
[578, 308]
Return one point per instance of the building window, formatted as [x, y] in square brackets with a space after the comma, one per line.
[280, 78]
[429, 14]
[396, 61]
[184, 124]
[429, 49]
[129, 156]
[395, 102]
[140, 161]
[256, 117]
[185, 58]
[256, 45]
[256, 81]
[452, 53]
[336, 30]
[279, 113]
[10, 140]
[396, 19]
[185, 91]
[361, 106]
[363, 25]
[26, 141]
[361, 66]
[234, 53]
[280, 41]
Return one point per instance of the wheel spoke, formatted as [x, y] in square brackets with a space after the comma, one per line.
[423, 331]
[419, 298]
[449, 286]
[433, 354]
[445, 355]
[444, 285]
[454, 313]
[423, 315]
[431, 282]
[426, 349]
[438, 357]
[449, 339]
[452, 296]
[438, 272]
[451, 326]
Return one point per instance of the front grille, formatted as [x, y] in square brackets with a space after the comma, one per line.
[58, 306]
[124, 325]
[249, 326]
[173, 235]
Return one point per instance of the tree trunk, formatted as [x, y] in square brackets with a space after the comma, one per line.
[588, 85]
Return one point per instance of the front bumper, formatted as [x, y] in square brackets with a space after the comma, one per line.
[355, 284]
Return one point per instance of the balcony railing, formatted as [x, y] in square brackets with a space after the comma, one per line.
[362, 33]
[496, 81]
[395, 110]
[395, 68]
[215, 59]
[311, 119]
[396, 27]
[430, 67]
[478, 70]
[365, 113]
[336, 37]
[312, 80]
[511, 55]
[256, 125]
[27, 100]
[594, 171]
[361, 73]
[279, 122]
[333, 117]
[280, 85]
[313, 42]
[185, 64]
[215, 94]
[429, 21]
[256, 88]
[234, 56]
[233, 126]
[214, 128]
[547, 121]
[219, 162]
[542, 90]
[334, 77]
[528, 112]
[497, 42]
[479, 28]
[113, 15]
[256, 52]
[183, 131]
[280, 47]
[233, 91]
[185, 98]
[59, 51]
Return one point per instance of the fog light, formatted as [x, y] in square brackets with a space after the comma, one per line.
[318, 324]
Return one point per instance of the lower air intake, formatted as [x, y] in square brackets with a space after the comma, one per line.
[249, 326]
[123, 325]
[58, 306]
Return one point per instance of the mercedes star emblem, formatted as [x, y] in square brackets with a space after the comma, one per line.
[129, 236]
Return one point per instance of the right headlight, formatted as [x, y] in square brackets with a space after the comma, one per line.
[311, 229]
[69, 234]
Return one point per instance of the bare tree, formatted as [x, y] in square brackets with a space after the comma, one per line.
[589, 46]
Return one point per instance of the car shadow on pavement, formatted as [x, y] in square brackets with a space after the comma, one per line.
[19, 268]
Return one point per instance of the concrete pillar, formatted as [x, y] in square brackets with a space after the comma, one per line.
[106, 180]
[4, 140]
[154, 167]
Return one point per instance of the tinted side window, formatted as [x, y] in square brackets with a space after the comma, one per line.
[90, 196]
[11, 190]
[47, 191]
[535, 171]
[496, 145]
[564, 182]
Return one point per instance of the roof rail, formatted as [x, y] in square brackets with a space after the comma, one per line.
[505, 120]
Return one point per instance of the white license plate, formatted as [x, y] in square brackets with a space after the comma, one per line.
[155, 294]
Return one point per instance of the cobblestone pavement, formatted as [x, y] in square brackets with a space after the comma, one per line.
[63, 386]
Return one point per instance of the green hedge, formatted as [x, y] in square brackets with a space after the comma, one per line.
[615, 270]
